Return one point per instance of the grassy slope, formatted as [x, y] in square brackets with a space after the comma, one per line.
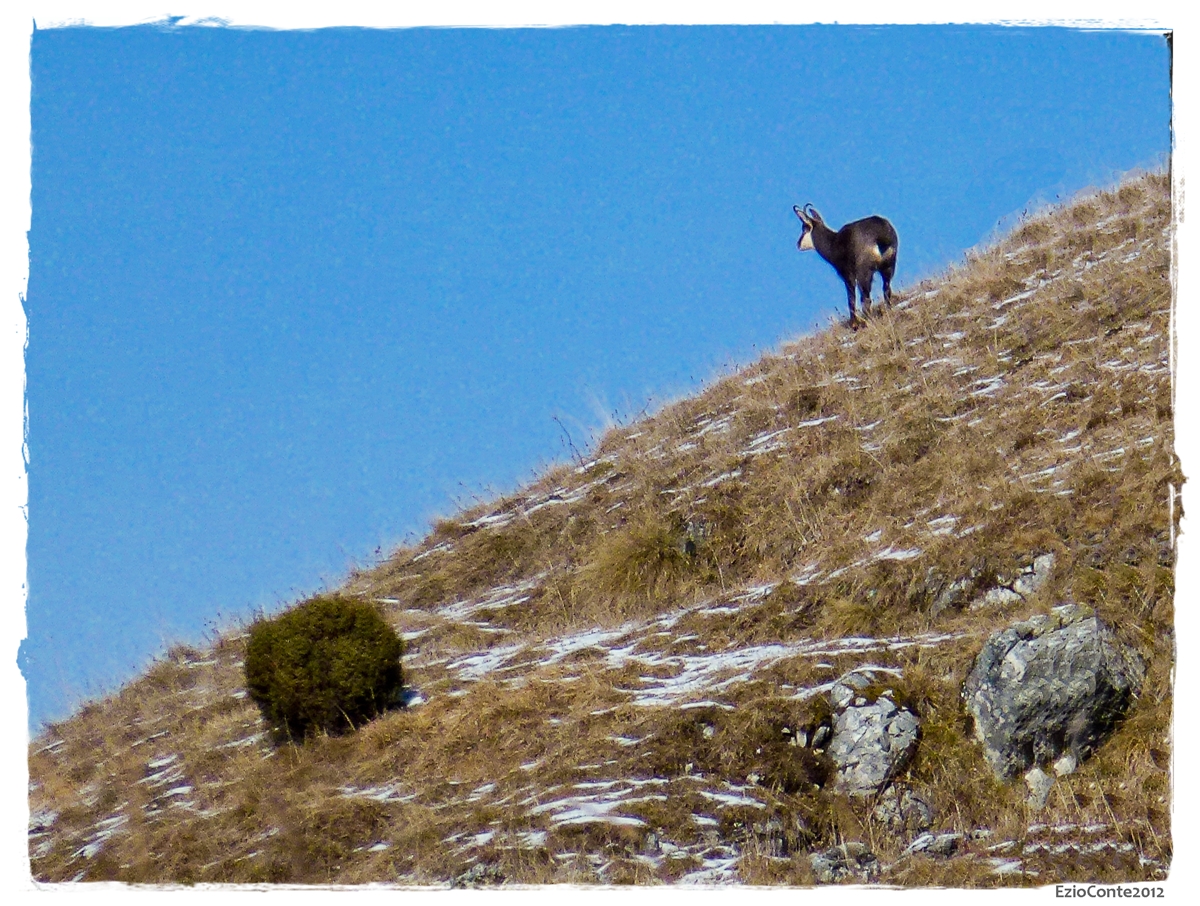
[1021, 404]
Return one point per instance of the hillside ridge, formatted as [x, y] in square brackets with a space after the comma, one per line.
[617, 672]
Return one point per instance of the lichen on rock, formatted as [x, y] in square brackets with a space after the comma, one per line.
[1051, 685]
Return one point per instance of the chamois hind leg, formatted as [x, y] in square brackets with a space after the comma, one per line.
[886, 273]
[864, 289]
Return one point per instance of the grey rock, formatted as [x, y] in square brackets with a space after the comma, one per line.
[954, 596]
[1040, 783]
[903, 812]
[479, 875]
[935, 844]
[1049, 685]
[1066, 765]
[919, 844]
[1034, 578]
[849, 860]
[852, 684]
[872, 739]
[996, 597]
[1028, 582]
[945, 844]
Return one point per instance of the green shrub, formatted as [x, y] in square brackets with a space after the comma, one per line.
[330, 664]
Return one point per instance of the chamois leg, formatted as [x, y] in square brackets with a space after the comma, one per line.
[886, 273]
[854, 321]
[864, 291]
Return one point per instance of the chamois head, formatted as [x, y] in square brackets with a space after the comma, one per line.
[808, 216]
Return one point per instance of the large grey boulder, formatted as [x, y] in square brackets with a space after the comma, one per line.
[873, 737]
[1048, 687]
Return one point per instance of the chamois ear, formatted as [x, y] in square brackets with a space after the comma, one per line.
[812, 213]
[800, 213]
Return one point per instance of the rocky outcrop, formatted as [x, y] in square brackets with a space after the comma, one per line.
[850, 860]
[873, 736]
[975, 592]
[1048, 690]
[903, 812]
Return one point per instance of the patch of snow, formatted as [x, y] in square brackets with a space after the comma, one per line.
[436, 549]
[477, 666]
[713, 871]
[719, 426]
[102, 831]
[812, 423]
[1043, 473]
[734, 798]
[755, 592]
[383, 793]
[951, 360]
[493, 520]
[763, 438]
[943, 525]
[807, 575]
[1008, 866]
[725, 476]
[625, 741]
[891, 553]
[1011, 299]
[594, 808]
[987, 386]
[497, 598]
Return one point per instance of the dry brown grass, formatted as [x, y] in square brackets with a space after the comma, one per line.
[611, 656]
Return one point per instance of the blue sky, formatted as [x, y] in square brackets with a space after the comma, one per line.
[292, 294]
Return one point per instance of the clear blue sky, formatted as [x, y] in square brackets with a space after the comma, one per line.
[292, 294]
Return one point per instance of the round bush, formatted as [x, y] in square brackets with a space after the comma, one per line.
[331, 664]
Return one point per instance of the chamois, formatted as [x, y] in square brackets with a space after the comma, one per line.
[856, 251]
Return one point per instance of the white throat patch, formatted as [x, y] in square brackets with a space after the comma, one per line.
[806, 241]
